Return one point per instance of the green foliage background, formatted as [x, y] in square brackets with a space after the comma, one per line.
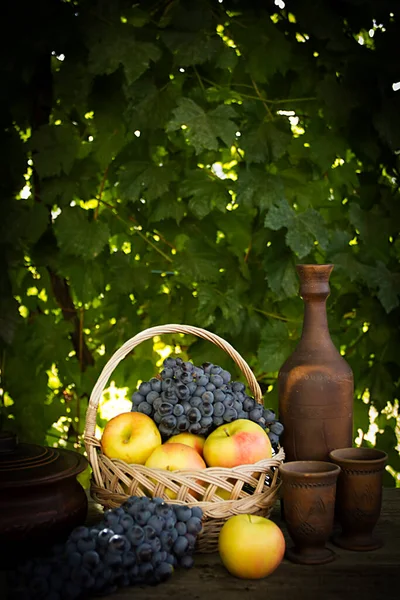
[176, 159]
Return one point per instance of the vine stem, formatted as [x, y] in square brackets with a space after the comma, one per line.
[267, 108]
[274, 316]
[140, 234]
[101, 190]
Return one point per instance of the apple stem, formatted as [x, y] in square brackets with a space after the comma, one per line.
[250, 518]
[227, 432]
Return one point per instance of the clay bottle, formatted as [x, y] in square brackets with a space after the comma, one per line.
[315, 384]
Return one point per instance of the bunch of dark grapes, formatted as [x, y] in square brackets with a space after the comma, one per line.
[140, 542]
[199, 399]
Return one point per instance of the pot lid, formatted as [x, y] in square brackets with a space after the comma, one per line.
[30, 464]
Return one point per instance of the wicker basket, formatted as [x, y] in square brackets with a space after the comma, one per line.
[114, 480]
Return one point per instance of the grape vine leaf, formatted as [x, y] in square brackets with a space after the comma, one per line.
[275, 346]
[205, 192]
[303, 228]
[54, 148]
[79, 236]
[204, 128]
[256, 187]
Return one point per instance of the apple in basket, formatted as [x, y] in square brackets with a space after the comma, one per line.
[188, 439]
[173, 457]
[240, 442]
[131, 437]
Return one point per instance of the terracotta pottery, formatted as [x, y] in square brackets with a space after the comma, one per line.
[309, 489]
[315, 384]
[359, 496]
[41, 500]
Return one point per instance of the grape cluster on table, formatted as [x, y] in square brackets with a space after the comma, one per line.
[198, 400]
[141, 542]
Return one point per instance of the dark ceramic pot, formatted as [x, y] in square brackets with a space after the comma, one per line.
[41, 500]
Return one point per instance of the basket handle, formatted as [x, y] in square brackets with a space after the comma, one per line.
[148, 334]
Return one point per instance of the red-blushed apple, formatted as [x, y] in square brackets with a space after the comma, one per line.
[189, 439]
[251, 547]
[174, 457]
[241, 442]
[131, 437]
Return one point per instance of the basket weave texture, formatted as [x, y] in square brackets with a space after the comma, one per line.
[251, 489]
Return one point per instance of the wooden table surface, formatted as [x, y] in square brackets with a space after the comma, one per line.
[353, 575]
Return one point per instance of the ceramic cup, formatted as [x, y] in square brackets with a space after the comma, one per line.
[359, 496]
[309, 489]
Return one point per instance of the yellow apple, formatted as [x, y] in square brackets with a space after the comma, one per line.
[174, 457]
[251, 547]
[241, 442]
[188, 439]
[131, 437]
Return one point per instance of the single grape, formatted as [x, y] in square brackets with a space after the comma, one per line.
[85, 545]
[186, 378]
[203, 380]
[195, 428]
[167, 373]
[206, 409]
[183, 513]
[163, 571]
[217, 380]
[197, 512]
[192, 387]
[206, 422]
[219, 409]
[238, 386]
[181, 528]
[198, 371]
[256, 413]
[273, 438]
[149, 533]
[165, 409]
[128, 560]
[187, 366]
[195, 402]
[217, 420]
[166, 540]
[119, 543]
[186, 406]
[79, 533]
[169, 362]
[112, 559]
[144, 388]
[230, 415]
[228, 402]
[219, 395]
[242, 414]
[194, 525]
[157, 417]
[157, 403]
[157, 523]
[226, 376]
[104, 536]
[144, 552]
[208, 397]
[216, 370]
[169, 396]
[171, 560]
[180, 546]
[240, 396]
[178, 410]
[136, 535]
[248, 404]
[155, 545]
[269, 415]
[155, 384]
[145, 408]
[262, 422]
[182, 391]
[182, 423]
[169, 422]
[143, 517]
[186, 562]
[167, 383]
[75, 558]
[90, 559]
[210, 387]
[194, 415]
[207, 367]
[137, 398]
[276, 428]
[179, 361]
[192, 541]
[238, 406]
[159, 557]
[199, 390]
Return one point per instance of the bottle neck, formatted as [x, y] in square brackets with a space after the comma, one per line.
[315, 323]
